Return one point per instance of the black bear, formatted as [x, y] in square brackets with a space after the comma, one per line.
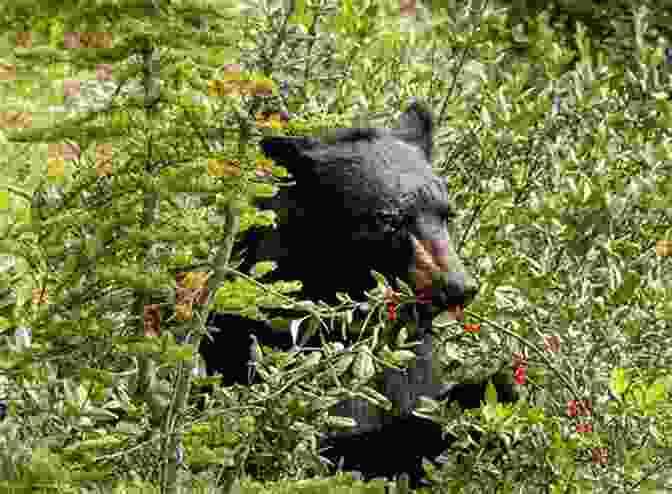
[364, 199]
[400, 443]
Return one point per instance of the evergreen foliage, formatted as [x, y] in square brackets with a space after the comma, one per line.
[130, 156]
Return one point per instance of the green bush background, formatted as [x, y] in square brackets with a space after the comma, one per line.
[553, 134]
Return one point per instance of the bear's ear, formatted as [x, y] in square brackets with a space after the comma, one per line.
[416, 128]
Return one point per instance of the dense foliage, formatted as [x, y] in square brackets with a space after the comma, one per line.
[554, 138]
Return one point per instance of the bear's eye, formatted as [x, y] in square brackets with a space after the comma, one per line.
[447, 214]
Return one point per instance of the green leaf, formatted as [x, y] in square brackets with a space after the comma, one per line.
[343, 363]
[261, 269]
[655, 393]
[619, 381]
[341, 422]
[363, 367]
[490, 394]
[403, 356]
[374, 397]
